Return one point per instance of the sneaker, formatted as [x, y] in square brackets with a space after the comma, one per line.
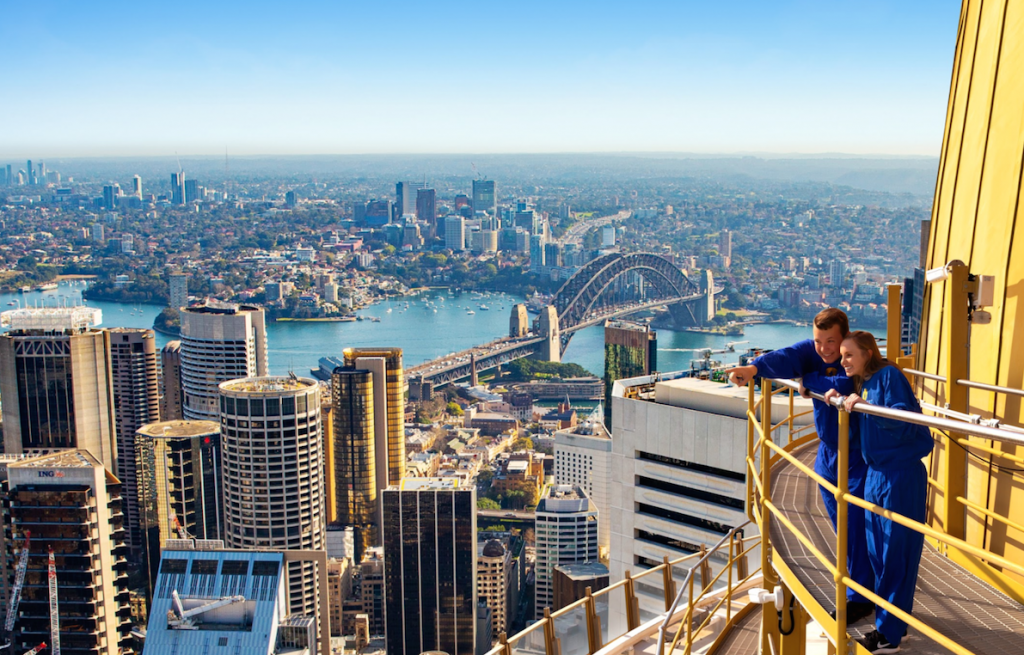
[875, 643]
[855, 611]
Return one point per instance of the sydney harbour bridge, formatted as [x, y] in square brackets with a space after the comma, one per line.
[585, 299]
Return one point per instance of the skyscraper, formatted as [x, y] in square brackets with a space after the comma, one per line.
[354, 456]
[177, 188]
[109, 197]
[191, 191]
[389, 401]
[630, 350]
[406, 197]
[431, 595]
[136, 386]
[582, 458]
[137, 186]
[566, 534]
[537, 243]
[55, 381]
[219, 342]
[273, 483]
[455, 233]
[178, 286]
[426, 209]
[30, 176]
[484, 196]
[69, 501]
[170, 382]
[179, 482]
[725, 245]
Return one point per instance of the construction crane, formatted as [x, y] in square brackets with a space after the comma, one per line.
[37, 649]
[19, 583]
[54, 618]
[179, 618]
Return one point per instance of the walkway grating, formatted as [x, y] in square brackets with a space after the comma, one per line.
[948, 598]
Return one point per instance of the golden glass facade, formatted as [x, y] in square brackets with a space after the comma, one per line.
[355, 473]
[396, 403]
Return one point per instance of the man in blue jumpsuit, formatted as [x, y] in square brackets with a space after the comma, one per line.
[820, 356]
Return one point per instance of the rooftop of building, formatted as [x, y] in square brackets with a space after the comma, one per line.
[620, 324]
[589, 428]
[418, 484]
[565, 492]
[269, 384]
[219, 307]
[51, 319]
[179, 429]
[583, 570]
[63, 459]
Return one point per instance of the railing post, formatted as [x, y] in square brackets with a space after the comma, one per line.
[789, 422]
[957, 335]
[750, 450]
[506, 648]
[670, 587]
[593, 623]
[728, 583]
[551, 644]
[842, 639]
[632, 604]
[769, 619]
[705, 568]
[794, 621]
[893, 327]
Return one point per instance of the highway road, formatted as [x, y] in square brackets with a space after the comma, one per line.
[576, 233]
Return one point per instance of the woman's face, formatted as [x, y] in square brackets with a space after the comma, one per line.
[853, 358]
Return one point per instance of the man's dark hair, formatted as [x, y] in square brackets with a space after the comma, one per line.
[827, 318]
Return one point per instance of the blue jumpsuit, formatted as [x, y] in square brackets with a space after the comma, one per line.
[897, 480]
[802, 361]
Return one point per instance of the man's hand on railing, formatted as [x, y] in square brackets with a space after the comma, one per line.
[741, 375]
[803, 390]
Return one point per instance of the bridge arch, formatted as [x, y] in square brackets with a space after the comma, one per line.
[577, 296]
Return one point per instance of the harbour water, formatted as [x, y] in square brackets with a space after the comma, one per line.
[426, 326]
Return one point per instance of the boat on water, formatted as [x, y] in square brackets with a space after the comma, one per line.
[470, 311]
[484, 308]
[387, 311]
[49, 286]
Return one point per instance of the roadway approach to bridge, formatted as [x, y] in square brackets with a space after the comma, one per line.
[580, 303]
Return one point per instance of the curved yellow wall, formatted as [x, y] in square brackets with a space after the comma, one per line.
[978, 217]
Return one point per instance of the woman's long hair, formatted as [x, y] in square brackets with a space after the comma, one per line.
[866, 342]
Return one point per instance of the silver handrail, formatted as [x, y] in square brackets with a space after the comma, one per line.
[970, 384]
[689, 576]
[920, 419]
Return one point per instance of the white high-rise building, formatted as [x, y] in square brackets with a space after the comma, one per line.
[455, 233]
[273, 480]
[582, 457]
[219, 342]
[178, 283]
[566, 534]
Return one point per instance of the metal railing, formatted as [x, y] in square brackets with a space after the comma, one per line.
[707, 583]
[582, 627]
[763, 451]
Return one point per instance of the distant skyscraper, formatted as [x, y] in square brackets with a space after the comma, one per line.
[192, 191]
[219, 342]
[405, 197]
[273, 482]
[455, 233]
[170, 382]
[484, 196]
[109, 197]
[426, 209]
[725, 244]
[55, 381]
[137, 186]
[537, 243]
[375, 213]
[177, 188]
[179, 483]
[583, 458]
[136, 385]
[837, 272]
[30, 176]
[354, 456]
[178, 285]
[630, 350]
[290, 199]
[431, 595]
[97, 232]
[75, 508]
[10, 175]
[566, 534]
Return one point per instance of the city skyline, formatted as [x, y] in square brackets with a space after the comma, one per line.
[791, 78]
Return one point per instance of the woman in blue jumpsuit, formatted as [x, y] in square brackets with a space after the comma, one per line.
[896, 480]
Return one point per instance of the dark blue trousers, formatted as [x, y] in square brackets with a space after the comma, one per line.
[857, 562]
[895, 551]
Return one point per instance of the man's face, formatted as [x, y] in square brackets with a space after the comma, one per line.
[827, 342]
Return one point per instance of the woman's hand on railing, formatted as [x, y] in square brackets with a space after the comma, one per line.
[852, 400]
[832, 393]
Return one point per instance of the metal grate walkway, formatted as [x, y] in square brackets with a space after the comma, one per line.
[744, 638]
[948, 598]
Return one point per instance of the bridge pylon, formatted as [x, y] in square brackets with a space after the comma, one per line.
[549, 350]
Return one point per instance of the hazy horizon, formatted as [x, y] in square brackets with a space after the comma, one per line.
[399, 78]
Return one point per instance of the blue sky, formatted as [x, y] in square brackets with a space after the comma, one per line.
[301, 77]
